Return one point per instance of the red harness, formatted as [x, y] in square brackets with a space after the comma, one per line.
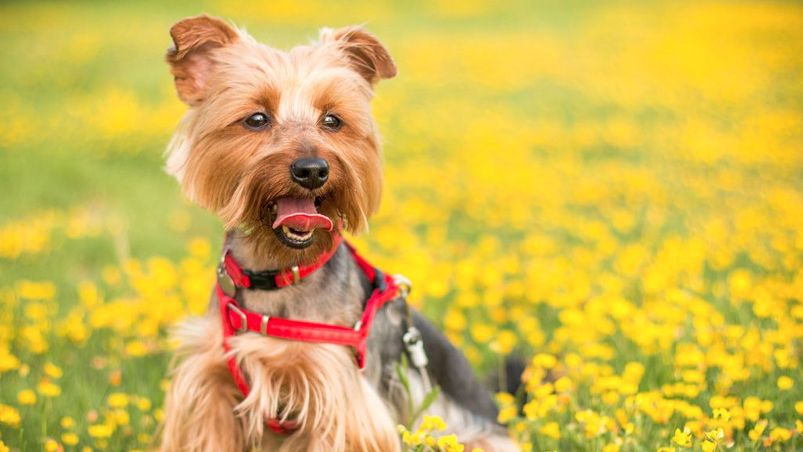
[236, 319]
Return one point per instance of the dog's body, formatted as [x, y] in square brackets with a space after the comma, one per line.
[282, 146]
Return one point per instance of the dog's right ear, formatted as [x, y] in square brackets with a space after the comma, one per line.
[189, 57]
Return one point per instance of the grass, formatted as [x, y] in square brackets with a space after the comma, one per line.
[612, 192]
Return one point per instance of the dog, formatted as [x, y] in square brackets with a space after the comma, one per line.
[301, 347]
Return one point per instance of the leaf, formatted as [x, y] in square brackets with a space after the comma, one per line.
[429, 399]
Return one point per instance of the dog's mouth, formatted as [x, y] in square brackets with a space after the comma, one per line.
[295, 219]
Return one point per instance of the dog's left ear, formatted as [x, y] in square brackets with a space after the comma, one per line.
[190, 61]
[365, 53]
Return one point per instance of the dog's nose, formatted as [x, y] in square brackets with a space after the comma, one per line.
[310, 172]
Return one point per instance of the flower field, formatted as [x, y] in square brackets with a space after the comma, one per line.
[612, 193]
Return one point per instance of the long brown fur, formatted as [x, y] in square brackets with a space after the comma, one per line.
[232, 171]
[313, 384]
[225, 76]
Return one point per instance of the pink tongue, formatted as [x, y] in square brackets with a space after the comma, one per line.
[300, 214]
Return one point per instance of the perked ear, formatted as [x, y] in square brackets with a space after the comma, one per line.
[365, 53]
[189, 57]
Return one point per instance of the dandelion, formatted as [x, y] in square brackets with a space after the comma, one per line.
[785, 383]
[67, 422]
[26, 397]
[8, 361]
[780, 434]
[682, 438]
[449, 443]
[48, 388]
[51, 445]
[722, 414]
[143, 403]
[755, 433]
[544, 361]
[563, 384]
[52, 371]
[117, 400]
[100, 431]
[430, 422]
[69, 438]
[551, 430]
[9, 416]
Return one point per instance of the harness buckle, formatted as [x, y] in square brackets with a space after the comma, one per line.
[404, 284]
[243, 319]
[224, 279]
[263, 326]
[296, 274]
[414, 344]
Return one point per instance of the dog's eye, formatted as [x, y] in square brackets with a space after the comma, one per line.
[257, 121]
[331, 122]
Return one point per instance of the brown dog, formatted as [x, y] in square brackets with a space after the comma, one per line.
[282, 146]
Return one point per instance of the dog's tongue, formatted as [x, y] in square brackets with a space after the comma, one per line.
[300, 214]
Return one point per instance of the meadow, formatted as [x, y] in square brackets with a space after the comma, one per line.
[611, 192]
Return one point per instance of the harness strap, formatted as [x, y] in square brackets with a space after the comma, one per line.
[274, 279]
[236, 319]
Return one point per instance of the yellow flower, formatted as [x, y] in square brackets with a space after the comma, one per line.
[51, 445]
[48, 389]
[9, 415]
[780, 434]
[785, 383]
[100, 430]
[504, 342]
[69, 438]
[143, 403]
[507, 414]
[666, 449]
[551, 430]
[7, 361]
[482, 332]
[3, 447]
[544, 360]
[67, 422]
[136, 348]
[722, 413]
[52, 370]
[31, 290]
[799, 407]
[449, 443]
[504, 398]
[682, 438]
[26, 397]
[563, 384]
[430, 423]
[117, 400]
[120, 417]
[708, 446]
[755, 433]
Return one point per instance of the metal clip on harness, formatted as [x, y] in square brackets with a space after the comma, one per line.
[412, 338]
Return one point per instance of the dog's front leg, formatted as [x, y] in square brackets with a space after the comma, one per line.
[199, 406]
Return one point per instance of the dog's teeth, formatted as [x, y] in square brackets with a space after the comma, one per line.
[296, 236]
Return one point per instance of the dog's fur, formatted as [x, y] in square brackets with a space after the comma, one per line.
[225, 76]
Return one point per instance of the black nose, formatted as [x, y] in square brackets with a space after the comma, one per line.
[310, 172]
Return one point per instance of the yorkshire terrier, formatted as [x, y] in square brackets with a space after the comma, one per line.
[301, 346]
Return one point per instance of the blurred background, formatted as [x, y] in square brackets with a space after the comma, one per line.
[611, 192]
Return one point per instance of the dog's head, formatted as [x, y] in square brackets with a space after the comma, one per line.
[281, 144]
